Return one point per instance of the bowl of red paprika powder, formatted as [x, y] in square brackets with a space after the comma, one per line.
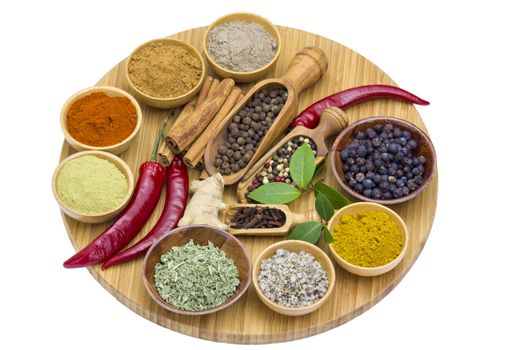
[101, 118]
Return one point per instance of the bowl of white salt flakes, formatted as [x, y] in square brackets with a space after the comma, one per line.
[242, 46]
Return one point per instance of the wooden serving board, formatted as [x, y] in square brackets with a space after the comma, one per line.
[249, 320]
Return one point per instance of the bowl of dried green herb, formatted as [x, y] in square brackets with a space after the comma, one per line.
[196, 270]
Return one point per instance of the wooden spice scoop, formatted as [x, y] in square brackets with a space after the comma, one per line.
[333, 120]
[292, 219]
[307, 66]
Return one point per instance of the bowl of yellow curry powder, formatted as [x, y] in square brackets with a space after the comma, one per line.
[92, 186]
[369, 238]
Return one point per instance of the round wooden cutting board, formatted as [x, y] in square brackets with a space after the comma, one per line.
[249, 320]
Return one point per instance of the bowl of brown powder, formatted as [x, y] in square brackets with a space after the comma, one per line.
[242, 46]
[165, 73]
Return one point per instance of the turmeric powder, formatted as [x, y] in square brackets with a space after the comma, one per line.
[368, 239]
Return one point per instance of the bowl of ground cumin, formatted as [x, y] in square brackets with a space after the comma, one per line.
[101, 118]
[165, 73]
[242, 46]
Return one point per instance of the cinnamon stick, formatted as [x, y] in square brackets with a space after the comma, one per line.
[203, 93]
[195, 153]
[165, 155]
[189, 128]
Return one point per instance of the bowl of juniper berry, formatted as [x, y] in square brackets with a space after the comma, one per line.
[384, 160]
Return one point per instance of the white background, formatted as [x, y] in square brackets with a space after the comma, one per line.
[466, 289]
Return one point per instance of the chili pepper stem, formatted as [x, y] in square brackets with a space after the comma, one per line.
[160, 135]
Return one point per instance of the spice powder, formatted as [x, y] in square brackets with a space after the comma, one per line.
[164, 70]
[368, 239]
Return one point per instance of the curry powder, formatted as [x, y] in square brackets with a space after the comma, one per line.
[368, 239]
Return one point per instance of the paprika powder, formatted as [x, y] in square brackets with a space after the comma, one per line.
[100, 120]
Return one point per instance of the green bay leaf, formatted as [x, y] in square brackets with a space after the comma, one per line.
[302, 165]
[328, 238]
[338, 200]
[307, 231]
[323, 206]
[275, 193]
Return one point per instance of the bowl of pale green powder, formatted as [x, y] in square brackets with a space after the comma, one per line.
[196, 270]
[92, 186]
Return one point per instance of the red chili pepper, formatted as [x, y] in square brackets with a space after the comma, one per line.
[309, 118]
[176, 198]
[129, 223]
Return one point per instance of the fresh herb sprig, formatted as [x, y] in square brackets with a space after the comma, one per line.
[327, 199]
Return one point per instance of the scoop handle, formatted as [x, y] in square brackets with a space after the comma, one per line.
[307, 66]
[333, 120]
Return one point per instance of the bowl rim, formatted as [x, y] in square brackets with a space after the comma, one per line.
[236, 296]
[93, 89]
[335, 151]
[308, 246]
[171, 98]
[97, 153]
[377, 270]
[259, 20]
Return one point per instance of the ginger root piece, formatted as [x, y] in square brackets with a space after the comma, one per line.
[204, 206]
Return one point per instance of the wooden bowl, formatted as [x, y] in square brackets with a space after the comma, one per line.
[359, 207]
[167, 102]
[91, 218]
[112, 92]
[295, 246]
[424, 148]
[244, 77]
[200, 234]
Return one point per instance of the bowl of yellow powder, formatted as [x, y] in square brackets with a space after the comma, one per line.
[165, 73]
[369, 238]
[92, 186]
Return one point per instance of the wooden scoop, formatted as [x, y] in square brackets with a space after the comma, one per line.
[292, 219]
[307, 66]
[333, 120]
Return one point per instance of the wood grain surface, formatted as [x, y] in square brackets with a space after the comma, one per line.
[249, 320]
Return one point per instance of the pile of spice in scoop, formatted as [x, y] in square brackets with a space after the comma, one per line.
[277, 169]
[241, 46]
[292, 279]
[247, 128]
[196, 278]
[258, 217]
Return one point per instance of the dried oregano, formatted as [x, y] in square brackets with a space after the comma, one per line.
[196, 278]
[292, 279]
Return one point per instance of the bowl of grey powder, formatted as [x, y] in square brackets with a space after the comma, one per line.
[293, 277]
[242, 46]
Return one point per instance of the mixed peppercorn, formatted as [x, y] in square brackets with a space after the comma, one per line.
[247, 128]
[379, 163]
[277, 169]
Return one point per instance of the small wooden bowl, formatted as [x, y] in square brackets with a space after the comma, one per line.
[353, 209]
[112, 92]
[244, 77]
[167, 102]
[98, 217]
[200, 234]
[424, 148]
[295, 246]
